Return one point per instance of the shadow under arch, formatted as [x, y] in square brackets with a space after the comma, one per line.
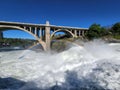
[6, 27]
[63, 30]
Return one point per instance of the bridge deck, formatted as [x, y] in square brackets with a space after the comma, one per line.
[39, 25]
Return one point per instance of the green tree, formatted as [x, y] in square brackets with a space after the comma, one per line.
[104, 32]
[94, 31]
[116, 29]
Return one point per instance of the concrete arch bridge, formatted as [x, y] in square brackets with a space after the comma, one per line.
[42, 32]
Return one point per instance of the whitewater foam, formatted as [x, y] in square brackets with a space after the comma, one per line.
[94, 65]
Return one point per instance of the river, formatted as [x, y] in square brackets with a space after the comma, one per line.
[93, 66]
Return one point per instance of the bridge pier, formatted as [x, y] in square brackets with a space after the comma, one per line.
[47, 36]
[1, 34]
[83, 33]
[75, 33]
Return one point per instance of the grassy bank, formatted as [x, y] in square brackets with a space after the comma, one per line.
[116, 37]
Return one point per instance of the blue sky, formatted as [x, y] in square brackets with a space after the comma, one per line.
[76, 13]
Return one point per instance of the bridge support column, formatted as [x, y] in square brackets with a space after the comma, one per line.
[47, 36]
[79, 33]
[1, 34]
[42, 34]
[75, 32]
[82, 32]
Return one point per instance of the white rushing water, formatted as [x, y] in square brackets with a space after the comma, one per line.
[93, 66]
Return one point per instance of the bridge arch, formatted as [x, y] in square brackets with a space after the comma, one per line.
[5, 27]
[64, 30]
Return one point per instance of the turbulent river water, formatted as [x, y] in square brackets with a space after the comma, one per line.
[93, 66]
